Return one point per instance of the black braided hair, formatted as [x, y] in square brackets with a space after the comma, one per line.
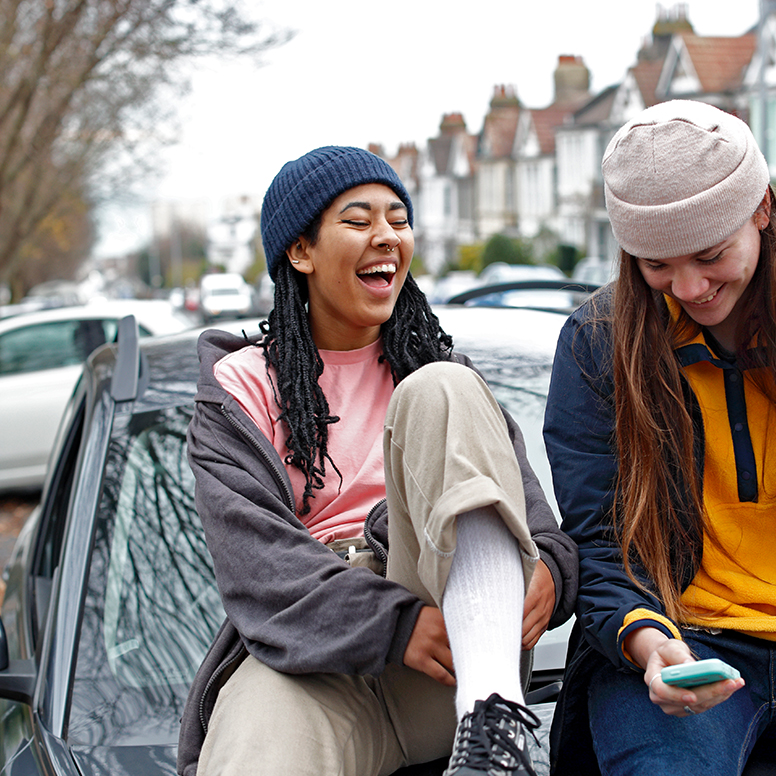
[412, 337]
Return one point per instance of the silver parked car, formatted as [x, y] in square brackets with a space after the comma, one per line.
[41, 356]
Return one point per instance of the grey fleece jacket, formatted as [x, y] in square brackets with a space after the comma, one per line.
[291, 602]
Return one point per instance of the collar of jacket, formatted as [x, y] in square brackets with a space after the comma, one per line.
[695, 349]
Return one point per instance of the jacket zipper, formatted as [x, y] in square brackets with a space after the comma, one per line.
[215, 677]
[378, 548]
[270, 463]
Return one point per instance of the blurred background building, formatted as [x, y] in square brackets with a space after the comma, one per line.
[524, 186]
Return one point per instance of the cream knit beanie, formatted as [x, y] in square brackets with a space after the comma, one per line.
[681, 177]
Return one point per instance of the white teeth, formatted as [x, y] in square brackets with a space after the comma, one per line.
[378, 268]
[708, 299]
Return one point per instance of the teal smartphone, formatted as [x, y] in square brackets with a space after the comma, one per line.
[700, 672]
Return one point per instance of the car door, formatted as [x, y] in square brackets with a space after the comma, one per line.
[29, 578]
[39, 366]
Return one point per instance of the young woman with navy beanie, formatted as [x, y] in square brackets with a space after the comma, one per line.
[660, 429]
[382, 548]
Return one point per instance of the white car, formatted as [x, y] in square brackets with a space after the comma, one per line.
[41, 355]
[225, 295]
[594, 269]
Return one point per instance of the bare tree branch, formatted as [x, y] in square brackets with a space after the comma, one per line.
[80, 84]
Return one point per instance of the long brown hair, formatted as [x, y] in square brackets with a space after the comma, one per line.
[658, 511]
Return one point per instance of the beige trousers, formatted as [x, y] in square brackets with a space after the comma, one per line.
[447, 451]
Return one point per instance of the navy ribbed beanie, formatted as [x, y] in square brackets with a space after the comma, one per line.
[307, 186]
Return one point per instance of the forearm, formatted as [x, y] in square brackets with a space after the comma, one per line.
[641, 643]
[611, 606]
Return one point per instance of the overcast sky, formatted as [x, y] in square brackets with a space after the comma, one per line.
[386, 72]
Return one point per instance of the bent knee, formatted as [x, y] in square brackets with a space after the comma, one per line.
[441, 378]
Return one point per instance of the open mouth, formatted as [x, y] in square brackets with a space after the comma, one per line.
[707, 299]
[378, 275]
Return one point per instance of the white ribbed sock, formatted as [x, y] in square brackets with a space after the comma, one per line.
[483, 610]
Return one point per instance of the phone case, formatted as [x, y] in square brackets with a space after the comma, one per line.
[700, 672]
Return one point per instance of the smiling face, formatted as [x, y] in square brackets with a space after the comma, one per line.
[710, 285]
[356, 266]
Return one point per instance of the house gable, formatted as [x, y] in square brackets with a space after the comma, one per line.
[678, 77]
[699, 65]
[527, 144]
[498, 131]
[628, 100]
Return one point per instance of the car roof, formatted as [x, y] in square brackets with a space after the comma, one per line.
[500, 272]
[523, 330]
[222, 280]
[157, 315]
[173, 364]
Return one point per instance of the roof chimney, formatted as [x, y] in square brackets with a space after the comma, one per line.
[504, 95]
[572, 79]
[670, 21]
[452, 123]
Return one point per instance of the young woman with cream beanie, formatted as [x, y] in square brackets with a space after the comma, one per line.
[659, 427]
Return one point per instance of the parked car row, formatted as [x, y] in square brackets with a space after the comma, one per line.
[536, 286]
[41, 352]
[224, 296]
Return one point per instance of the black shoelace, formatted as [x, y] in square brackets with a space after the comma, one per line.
[485, 734]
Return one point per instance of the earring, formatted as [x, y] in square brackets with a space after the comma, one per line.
[295, 261]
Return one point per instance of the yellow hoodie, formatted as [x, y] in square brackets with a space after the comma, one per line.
[735, 587]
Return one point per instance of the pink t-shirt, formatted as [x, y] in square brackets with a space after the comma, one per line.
[358, 390]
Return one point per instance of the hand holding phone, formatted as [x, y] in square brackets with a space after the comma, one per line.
[699, 672]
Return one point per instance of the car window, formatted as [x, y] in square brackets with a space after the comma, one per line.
[111, 328]
[151, 607]
[54, 513]
[223, 291]
[49, 345]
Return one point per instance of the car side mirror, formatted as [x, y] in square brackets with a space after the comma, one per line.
[17, 677]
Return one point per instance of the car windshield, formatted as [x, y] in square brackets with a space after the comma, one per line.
[151, 606]
[224, 291]
[519, 383]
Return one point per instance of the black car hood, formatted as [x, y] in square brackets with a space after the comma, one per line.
[126, 760]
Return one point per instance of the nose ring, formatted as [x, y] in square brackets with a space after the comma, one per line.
[391, 250]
